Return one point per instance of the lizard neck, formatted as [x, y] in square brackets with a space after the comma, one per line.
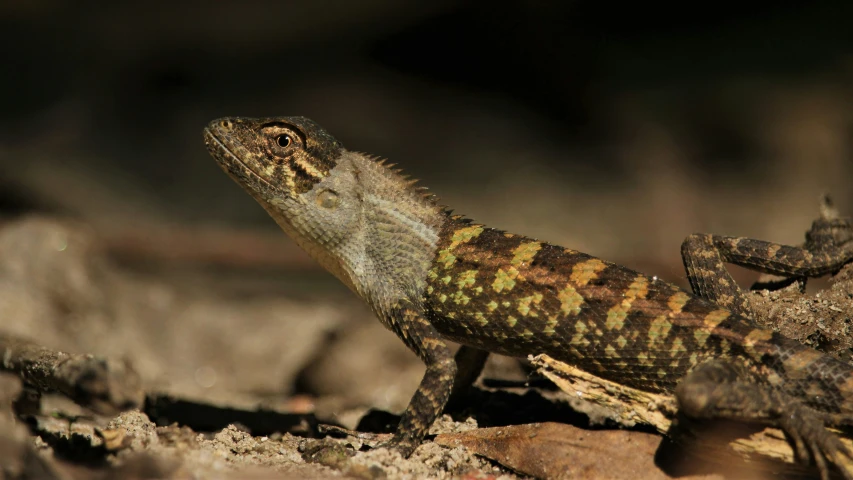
[390, 245]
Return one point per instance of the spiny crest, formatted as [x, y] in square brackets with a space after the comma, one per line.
[408, 181]
[458, 218]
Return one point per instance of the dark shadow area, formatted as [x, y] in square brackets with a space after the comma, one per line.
[16, 200]
[74, 448]
[496, 408]
[702, 448]
[165, 410]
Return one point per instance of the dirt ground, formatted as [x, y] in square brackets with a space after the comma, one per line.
[238, 379]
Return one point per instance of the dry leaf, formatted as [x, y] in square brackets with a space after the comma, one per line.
[556, 450]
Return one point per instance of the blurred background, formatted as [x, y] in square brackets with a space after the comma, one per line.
[612, 129]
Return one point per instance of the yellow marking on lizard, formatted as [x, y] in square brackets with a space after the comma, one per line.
[466, 279]
[583, 272]
[639, 288]
[433, 342]
[611, 352]
[307, 167]
[701, 336]
[658, 330]
[772, 249]
[524, 304]
[621, 341]
[677, 302]
[447, 279]
[796, 366]
[725, 346]
[504, 279]
[774, 379]
[492, 306]
[460, 298]
[579, 338]
[715, 318]
[482, 320]
[288, 175]
[526, 333]
[549, 325]
[524, 253]
[757, 337]
[570, 300]
[677, 347]
[446, 257]
[463, 235]
[511, 321]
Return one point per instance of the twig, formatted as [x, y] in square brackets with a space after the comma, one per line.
[104, 385]
[632, 406]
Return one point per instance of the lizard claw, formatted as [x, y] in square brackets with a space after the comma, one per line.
[404, 446]
[812, 441]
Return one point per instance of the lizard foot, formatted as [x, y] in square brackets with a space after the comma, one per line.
[723, 389]
[812, 440]
[403, 445]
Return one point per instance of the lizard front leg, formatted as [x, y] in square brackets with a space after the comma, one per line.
[409, 323]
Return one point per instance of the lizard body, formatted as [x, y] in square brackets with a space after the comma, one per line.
[433, 277]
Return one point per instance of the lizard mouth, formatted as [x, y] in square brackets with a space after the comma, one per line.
[231, 162]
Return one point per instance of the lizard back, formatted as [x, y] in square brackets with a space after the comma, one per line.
[513, 295]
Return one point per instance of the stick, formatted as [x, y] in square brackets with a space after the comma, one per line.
[104, 385]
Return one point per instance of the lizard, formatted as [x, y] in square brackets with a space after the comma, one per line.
[434, 277]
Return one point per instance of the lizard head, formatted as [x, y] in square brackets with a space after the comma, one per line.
[361, 219]
[277, 157]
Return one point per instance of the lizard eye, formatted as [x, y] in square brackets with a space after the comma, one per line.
[283, 141]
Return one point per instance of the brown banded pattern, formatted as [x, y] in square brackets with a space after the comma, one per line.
[517, 296]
